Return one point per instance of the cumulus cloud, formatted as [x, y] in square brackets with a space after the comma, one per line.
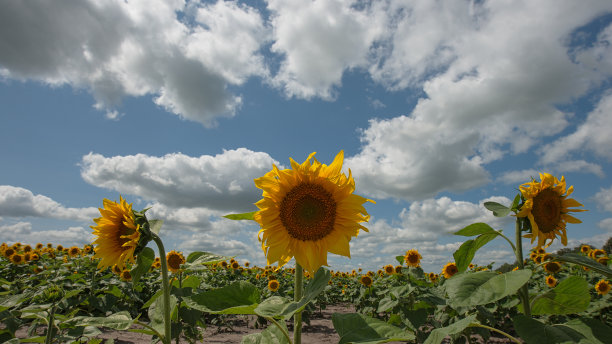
[221, 183]
[492, 75]
[185, 54]
[20, 202]
[319, 40]
[22, 232]
[604, 199]
[592, 135]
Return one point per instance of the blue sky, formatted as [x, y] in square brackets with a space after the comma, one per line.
[177, 105]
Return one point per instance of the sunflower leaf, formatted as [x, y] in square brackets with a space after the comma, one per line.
[439, 334]
[400, 259]
[571, 296]
[584, 261]
[236, 298]
[480, 288]
[464, 255]
[143, 264]
[534, 331]
[498, 210]
[476, 229]
[515, 203]
[359, 328]
[155, 225]
[243, 216]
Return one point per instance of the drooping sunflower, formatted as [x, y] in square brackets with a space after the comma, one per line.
[117, 234]
[366, 280]
[412, 258]
[273, 285]
[547, 206]
[449, 270]
[308, 211]
[603, 287]
[551, 281]
[175, 259]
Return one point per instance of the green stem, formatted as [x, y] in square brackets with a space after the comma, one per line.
[166, 287]
[523, 291]
[297, 296]
[271, 319]
[498, 331]
[50, 326]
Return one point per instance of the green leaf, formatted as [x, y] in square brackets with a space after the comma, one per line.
[476, 229]
[143, 263]
[386, 303]
[498, 210]
[593, 330]
[155, 225]
[243, 216]
[515, 202]
[533, 331]
[156, 312]
[271, 335]
[9, 301]
[584, 261]
[237, 298]
[359, 328]
[436, 336]
[464, 255]
[400, 259]
[199, 260]
[568, 297]
[281, 307]
[117, 321]
[479, 288]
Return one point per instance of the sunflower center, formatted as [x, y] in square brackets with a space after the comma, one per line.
[123, 234]
[308, 212]
[547, 210]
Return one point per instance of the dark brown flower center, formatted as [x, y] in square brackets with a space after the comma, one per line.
[308, 212]
[175, 261]
[547, 210]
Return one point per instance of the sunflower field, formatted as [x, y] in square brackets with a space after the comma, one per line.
[69, 294]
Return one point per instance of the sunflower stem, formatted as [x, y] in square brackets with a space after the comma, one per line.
[523, 291]
[166, 287]
[297, 296]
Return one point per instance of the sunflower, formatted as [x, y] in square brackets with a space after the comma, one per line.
[235, 265]
[27, 248]
[398, 269]
[552, 267]
[117, 234]
[366, 280]
[17, 259]
[547, 207]
[9, 252]
[389, 269]
[412, 258]
[551, 281]
[125, 275]
[449, 270]
[596, 253]
[308, 211]
[603, 287]
[433, 277]
[117, 269]
[39, 246]
[585, 249]
[74, 251]
[174, 259]
[273, 285]
[59, 248]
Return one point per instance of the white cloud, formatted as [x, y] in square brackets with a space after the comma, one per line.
[223, 182]
[606, 224]
[493, 75]
[136, 48]
[604, 199]
[592, 135]
[22, 232]
[319, 40]
[20, 202]
[518, 177]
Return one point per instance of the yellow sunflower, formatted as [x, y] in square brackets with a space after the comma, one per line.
[308, 211]
[74, 251]
[585, 249]
[117, 234]
[366, 280]
[273, 285]
[449, 270]
[412, 258]
[17, 259]
[125, 275]
[552, 267]
[551, 281]
[547, 207]
[603, 287]
[389, 269]
[175, 259]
